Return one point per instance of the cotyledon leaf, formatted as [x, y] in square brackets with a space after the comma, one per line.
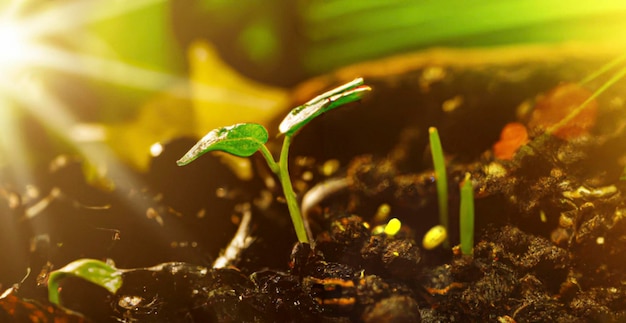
[301, 115]
[95, 271]
[242, 139]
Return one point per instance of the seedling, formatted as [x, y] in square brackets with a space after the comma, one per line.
[441, 179]
[466, 217]
[245, 139]
[92, 270]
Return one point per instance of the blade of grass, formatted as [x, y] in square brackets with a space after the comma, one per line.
[466, 216]
[344, 32]
[337, 18]
[619, 75]
[608, 66]
[441, 178]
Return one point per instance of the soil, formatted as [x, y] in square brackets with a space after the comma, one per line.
[550, 229]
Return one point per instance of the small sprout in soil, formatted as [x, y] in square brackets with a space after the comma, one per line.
[466, 218]
[392, 227]
[441, 179]
[245, 139]
[434, 237]
[92, 270]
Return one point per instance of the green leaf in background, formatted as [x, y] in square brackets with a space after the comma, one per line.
[343, 32]
[243, 140]
[301, 115]
[138, 38]
[92, 270]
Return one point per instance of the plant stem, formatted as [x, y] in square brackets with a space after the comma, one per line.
[290, 195]
[270, 160]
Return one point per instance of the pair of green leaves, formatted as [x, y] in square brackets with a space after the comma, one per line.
[244, 139]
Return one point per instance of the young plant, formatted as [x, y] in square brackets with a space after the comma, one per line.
[466, 216]
[91, 270]
[245, 139]
[441, 179]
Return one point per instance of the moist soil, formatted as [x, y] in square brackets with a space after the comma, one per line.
[550, 216]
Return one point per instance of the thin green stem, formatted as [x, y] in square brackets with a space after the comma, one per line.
[290, 195]
[603, 69]
[466, 217]
[619, 75]
[270, 160]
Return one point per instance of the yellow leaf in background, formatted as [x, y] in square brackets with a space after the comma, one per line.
[217, 96]
[222, 97]
[163, 117]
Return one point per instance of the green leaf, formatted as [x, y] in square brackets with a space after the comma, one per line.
[242, 139]
[441, 178]
[91, 270]
[301, 115]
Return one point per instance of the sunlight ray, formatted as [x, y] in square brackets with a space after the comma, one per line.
[47, 109]
[128, 75]
[38, 101]
[12, 149]
[74, 15]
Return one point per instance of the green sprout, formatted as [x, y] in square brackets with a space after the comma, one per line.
[466, 216]
[91, 270]
[245, 139]
[441, 179]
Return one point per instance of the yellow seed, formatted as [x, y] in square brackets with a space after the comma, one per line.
[543, 217]
[378, 230]
[382, 213]
[330, 167]
[452, 104]
[392, 227]
[434, 237]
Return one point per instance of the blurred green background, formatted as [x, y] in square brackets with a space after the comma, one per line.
[148, 70]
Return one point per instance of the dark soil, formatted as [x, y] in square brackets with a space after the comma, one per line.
[550, 222]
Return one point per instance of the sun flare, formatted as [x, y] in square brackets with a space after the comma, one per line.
[40, 42]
